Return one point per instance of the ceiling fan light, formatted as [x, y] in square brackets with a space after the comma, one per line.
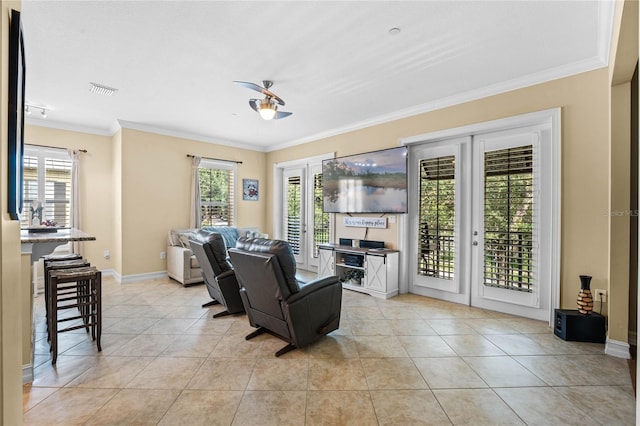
[267, 111]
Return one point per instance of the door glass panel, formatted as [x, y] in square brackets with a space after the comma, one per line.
[320, 219]
[436, 218]
[509, 258]
[294, 197]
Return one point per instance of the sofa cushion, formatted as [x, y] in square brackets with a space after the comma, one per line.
[180, 237]
[174, 240]
[183, 239]
[229, 234]
[193, 262]
[256, 234]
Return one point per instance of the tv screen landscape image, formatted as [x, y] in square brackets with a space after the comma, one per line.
[371, 182]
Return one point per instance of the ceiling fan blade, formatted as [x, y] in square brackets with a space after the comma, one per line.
[253, 103]
[262, 90]
[281, 114]
[251, 86]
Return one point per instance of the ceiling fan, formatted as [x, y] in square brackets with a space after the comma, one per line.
[267, 107]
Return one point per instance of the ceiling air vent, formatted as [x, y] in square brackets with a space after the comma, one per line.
[101, 89]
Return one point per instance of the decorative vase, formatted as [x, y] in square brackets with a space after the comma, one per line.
[585, 299]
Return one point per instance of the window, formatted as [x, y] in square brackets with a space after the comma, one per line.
[47, 187]
[217, 193]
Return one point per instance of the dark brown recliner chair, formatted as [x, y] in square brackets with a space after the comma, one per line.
[218, 274]
[276, 302]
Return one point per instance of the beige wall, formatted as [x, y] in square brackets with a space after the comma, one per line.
[96, 186]
[584, 101]
[136, 186]
[619, 212]
[156, 188]
[116, 211]
[624, 56]
[11, 285]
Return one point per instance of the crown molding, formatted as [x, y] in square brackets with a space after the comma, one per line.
[186, 135]
[606, 18]
[606, 15]
[487, 91]
[67, 126]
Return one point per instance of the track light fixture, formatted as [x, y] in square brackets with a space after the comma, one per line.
[43, 110]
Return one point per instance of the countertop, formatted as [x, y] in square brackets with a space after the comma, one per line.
[63, 235]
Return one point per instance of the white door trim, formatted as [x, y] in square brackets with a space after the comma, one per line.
[551, 117]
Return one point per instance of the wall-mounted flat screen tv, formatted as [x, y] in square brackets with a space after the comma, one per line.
[372, 182]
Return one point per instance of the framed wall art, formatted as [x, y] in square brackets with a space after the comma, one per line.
[250, 190]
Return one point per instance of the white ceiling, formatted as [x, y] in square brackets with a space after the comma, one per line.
[334, 63]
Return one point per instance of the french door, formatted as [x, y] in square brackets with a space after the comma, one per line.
[481, 221]
[304, 224]
[438, 175]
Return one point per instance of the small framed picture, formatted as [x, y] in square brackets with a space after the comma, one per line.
[250, 189]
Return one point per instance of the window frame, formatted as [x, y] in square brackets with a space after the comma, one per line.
[233, 169]
[43, 153]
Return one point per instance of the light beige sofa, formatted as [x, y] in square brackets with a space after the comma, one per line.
[182, 264]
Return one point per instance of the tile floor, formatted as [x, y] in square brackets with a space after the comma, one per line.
[407, 360]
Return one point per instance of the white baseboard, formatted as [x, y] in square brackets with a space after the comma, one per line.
[108, 272]
[139, 277]
[27, 373]
[617, 349]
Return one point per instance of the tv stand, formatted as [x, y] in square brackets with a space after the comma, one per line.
[378, 268]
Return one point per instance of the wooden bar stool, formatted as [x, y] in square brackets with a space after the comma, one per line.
[50, 265]
[89, 302]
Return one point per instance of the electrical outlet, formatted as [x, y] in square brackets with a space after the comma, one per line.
[163, 255]
[600, 295]
[107, 254]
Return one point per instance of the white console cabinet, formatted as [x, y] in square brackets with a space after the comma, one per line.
[379, 268]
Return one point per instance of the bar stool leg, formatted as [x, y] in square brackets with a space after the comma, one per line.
[53, 320]
[98, 307]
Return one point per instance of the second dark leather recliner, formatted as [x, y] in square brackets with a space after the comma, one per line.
[276, 302]
[218, 274]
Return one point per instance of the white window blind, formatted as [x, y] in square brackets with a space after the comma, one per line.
[294, 223]
[321, 220]
[217, 193]
[47, 187]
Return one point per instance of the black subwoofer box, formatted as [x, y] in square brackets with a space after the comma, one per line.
[571, 325]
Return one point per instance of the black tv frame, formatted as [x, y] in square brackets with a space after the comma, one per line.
[17, 72]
